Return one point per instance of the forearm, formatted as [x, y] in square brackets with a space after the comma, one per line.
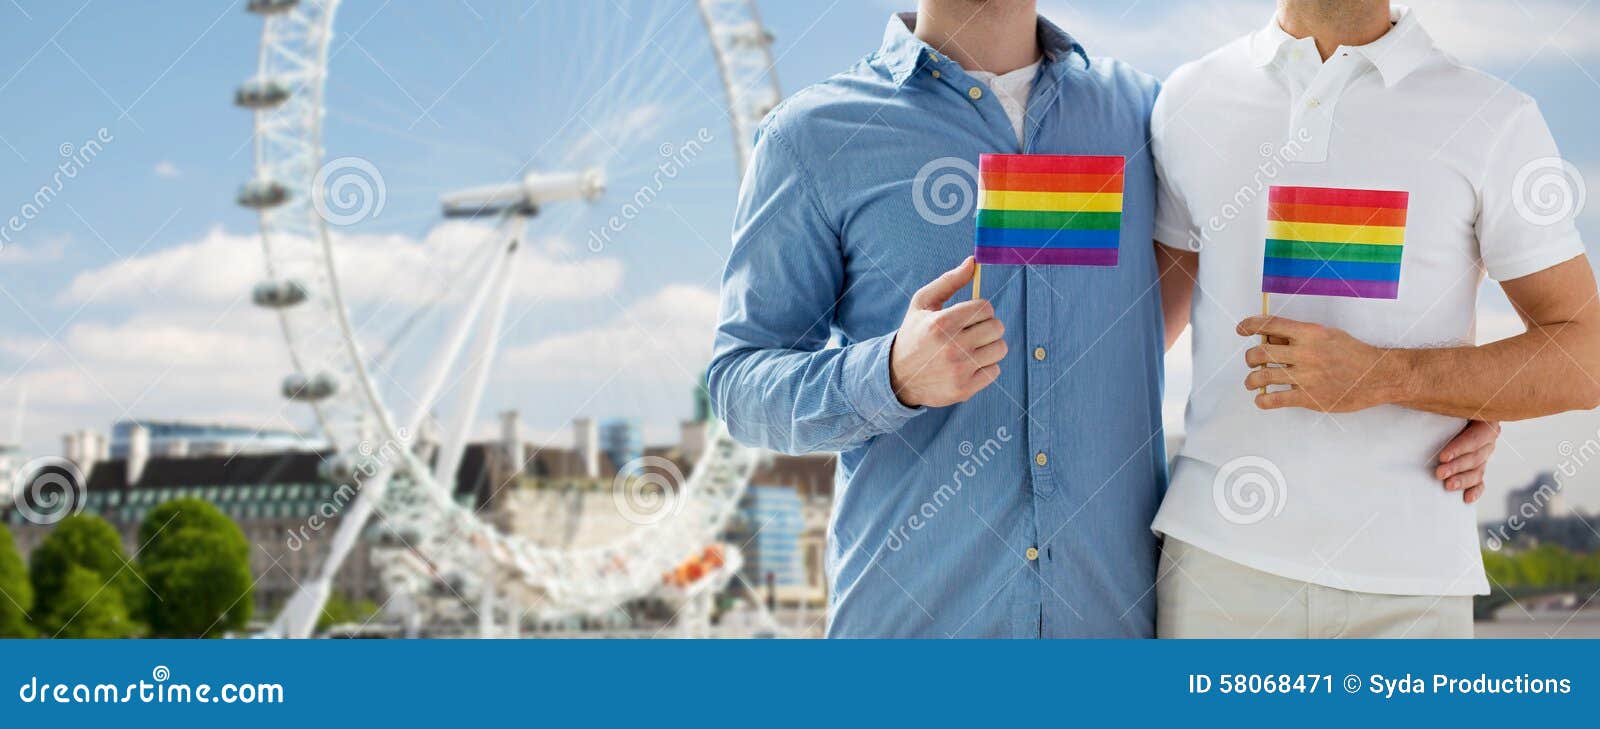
[1548, 369]
[796, 401]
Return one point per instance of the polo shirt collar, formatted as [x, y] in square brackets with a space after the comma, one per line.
[1267, 42]
[903, 52]
[1395, 55]
[1400, 51]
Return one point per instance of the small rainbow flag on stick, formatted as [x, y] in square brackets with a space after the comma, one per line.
[1333, 241]
[1330, 241]
[1048, 209]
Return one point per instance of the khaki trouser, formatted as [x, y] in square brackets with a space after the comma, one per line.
[1201, 595]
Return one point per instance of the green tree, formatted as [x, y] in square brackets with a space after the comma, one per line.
[87, 607]
[197, 563]
[1589, 568]
[16, 594]
[1502, 569]
[1547, 565]
[92, 545]
[341, 610]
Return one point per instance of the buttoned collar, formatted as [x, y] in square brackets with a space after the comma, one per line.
[1399, 52]
[903, 52]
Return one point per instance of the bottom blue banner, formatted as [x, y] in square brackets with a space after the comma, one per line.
[793, 683]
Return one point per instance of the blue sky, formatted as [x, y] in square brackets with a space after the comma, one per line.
[125, 295]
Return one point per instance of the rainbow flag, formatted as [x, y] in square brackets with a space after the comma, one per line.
[1049, 209]
[1330, 241]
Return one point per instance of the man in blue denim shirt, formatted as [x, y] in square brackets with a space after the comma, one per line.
[989, 485]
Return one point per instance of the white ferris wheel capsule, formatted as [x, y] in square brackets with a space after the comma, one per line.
[278, 294]
[271, 7]
[527, 196]
[260, 93]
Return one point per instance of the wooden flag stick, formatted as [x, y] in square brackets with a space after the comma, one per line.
[977, 281]
[1264, 301]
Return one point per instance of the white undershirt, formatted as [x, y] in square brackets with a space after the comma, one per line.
[1012, 90]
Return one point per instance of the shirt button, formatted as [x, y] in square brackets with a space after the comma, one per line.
[1038, 353]
[936, 73]
[1313, 103]
[1033, 553]
[975, 93]
[1041, 459]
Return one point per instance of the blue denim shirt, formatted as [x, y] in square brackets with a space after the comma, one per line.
[861, 191]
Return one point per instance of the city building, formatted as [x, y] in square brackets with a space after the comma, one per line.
[811, 478]
[1538, 513]
[768, 530]
[1542, 497]
[11, 459]
[558, 500]
[561, 497]
[287, 510]
[180, 438]
[622, 439]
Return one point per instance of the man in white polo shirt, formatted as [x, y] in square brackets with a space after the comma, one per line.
[1325, 157]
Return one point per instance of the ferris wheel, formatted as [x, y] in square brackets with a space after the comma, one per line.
[441, 562]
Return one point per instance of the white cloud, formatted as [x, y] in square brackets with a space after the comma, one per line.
[160, 342]
[222, 266]
[172, 332]
[23, 347]
[166, 169]
[158, 365]
[51, 250]
[1490, 32]
[665, 337]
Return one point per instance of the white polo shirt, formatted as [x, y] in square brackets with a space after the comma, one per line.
[1349, 500]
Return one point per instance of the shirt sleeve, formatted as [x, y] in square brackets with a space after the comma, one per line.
[773, 378]
[1173, 227]
[1528, 200]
